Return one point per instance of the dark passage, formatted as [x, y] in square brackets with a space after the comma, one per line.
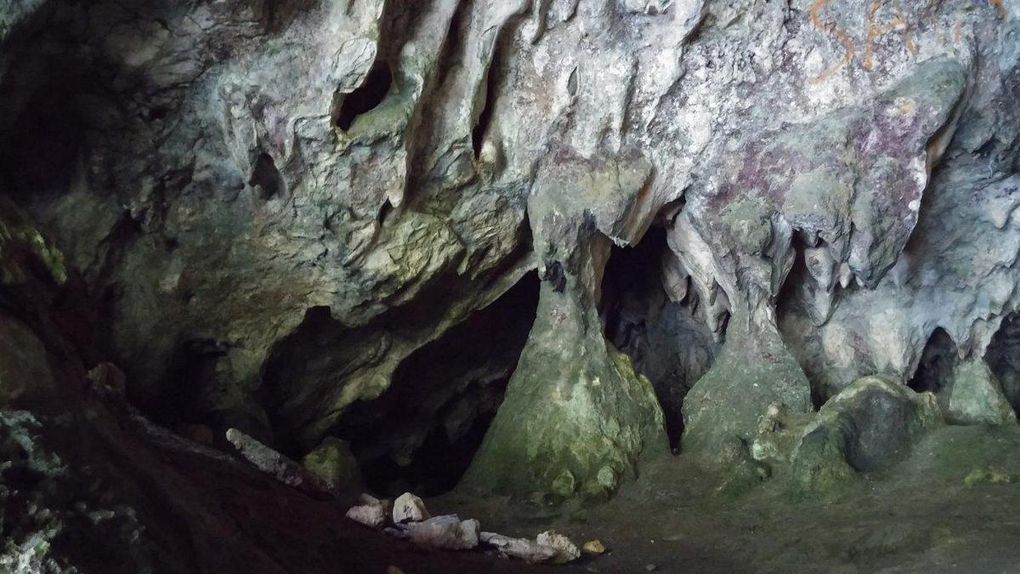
[937, 363]
[364, 99]
[266, 178]
[421, 434]
[668, 342]
[1003, 357]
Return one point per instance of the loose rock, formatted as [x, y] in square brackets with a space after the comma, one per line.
[273, 463]
[371, 512]
[520, 548]
[333, 464]
[409, 508]
[594, 547]
[447, 531]
[566, 551]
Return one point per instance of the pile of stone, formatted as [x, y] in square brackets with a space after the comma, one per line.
[412, 521]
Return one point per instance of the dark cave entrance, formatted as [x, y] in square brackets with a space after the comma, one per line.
[40, 159]
[667, 341]
[365, 98]
[421, 434]
[1003, 358]
[938, 360]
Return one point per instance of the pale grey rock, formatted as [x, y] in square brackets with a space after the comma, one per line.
[409, 508]
[372, 512]
[973, 395]
[255, 175]
[519, 548]
[443, 532]
[566, 550]
[273, 463]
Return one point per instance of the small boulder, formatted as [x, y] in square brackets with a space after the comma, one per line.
[333, 464]
[594, 547]
[409, 508]
[973, 395]
[566, 551]
[447, 532]
[273, 463]
[371, 512]
[868, 426]
[520, 548]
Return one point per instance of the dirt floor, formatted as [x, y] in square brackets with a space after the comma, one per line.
[919, 516]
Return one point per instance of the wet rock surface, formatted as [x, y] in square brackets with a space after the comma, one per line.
[516, 251]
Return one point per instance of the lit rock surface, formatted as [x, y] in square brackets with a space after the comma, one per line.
[271, 214]
[446, 532]
[409, 508]
[869, 426]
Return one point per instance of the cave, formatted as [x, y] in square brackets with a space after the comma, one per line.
[667, 341]
[365, 97]
[1003, 357]
[483, 286]
[937, 362]
[423, 431]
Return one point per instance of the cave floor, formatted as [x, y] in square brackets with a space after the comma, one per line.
[918, 516]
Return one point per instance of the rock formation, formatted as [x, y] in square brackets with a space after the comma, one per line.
[516, 245]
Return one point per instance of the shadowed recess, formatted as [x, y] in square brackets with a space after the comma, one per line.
[422, 433]
[667, 341]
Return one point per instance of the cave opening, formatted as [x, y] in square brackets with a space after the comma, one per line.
[667, 341]
[40, 160]
[421, 434]
[938, 360]
[266, 178]
[485, 115]
[1003, 358]
[366, 97]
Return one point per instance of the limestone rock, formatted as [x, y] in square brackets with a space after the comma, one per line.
[566, 551]
[444, 532]
[753, 373]
[520, 548]
[867, 427]
[594, 547]
[333, 464]
[778, 433]
[273, 463]
[372, 512]
[576, 418]
[973, 395]
[409, 508]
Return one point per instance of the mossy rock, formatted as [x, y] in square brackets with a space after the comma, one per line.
[576, 419]
[869, 426]
[973, 395]
[333, 463]
[753, 371]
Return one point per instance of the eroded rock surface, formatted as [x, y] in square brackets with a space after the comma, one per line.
[314, 219]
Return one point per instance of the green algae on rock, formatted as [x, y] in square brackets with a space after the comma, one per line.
[869, 426]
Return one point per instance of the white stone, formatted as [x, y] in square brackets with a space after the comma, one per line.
[566, 551]
[409, 508]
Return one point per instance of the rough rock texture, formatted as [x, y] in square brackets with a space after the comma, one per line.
[268, 210]
[333, 465]
[576, 417]
[973, 395]
[867, 427]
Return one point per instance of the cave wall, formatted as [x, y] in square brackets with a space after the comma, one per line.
[301, 196]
